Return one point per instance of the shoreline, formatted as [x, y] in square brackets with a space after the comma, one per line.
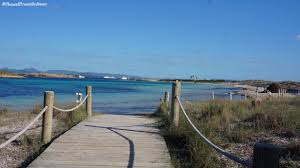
[254, 92]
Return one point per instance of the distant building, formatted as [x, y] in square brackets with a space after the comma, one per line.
[109, 77]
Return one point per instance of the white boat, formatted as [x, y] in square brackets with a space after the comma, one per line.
[124, 78]
[81, 76]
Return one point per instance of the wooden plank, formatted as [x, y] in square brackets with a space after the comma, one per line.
[108, 141]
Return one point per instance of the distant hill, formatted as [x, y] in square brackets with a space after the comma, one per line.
[20, 71]
[62, 72]
[68, 72]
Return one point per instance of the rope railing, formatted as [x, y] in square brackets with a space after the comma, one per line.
[47, 113]
[263, 153]
[214, 94]
[245, 163]
[24, 129]
[71, 109]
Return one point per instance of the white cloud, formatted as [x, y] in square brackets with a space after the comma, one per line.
[298, 37]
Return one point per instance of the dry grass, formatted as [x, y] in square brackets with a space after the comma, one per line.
[231, 125]
[23, 150]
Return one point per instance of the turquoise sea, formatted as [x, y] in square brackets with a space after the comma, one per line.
[109, 96]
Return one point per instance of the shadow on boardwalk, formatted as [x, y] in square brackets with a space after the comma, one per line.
[130, 142]
[108, 141]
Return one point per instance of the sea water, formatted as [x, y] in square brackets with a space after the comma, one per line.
[108, 96]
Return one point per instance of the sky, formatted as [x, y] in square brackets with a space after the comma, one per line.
[213, 39]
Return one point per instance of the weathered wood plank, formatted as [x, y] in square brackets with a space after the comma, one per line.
[108, 141]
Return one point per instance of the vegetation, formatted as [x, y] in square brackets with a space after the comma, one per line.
[68, 120]
[290, 85]
[235, 126]
[5, 73]
[29, 145]
[64, 120]
[3, 111]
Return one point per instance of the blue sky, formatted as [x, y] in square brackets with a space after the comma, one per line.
[232, 39]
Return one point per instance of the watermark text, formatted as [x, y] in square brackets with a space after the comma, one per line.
[24, 4]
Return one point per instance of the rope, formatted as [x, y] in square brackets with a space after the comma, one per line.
[72, 109]
[245, 163]
[25, 129]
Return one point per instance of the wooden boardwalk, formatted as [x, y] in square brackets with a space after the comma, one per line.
[108, 141]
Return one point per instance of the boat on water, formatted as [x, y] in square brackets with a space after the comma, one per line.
[124, 78]
[81, 76]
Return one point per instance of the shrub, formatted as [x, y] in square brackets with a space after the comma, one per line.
[3, 111]
[226, 122]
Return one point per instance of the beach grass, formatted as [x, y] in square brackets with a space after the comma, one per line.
[28, 146]
[234, 126]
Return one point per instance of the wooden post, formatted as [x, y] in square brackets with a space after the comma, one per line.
[167, 98]
[47, 117]
[279, 92]
[265, 155]
[245, 95]
[175, 105]
[213, 95]
[88, 103]
[256, 94]
[230, 94]
[285, 90]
